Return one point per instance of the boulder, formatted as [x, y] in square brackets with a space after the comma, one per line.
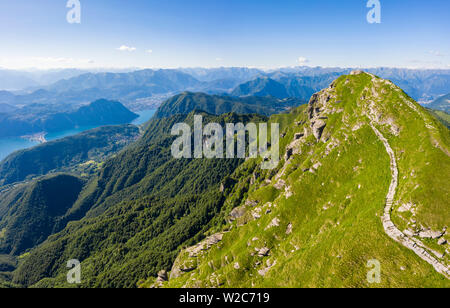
[298, 136]
[237, 213]
[289, 229]
[318, 128]
[263, 252]
[274, 223]
[442, 241]
[162, 276]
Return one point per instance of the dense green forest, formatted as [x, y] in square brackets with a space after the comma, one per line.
[30, 213]
[138, 212]
[442, 116]
[186, 102]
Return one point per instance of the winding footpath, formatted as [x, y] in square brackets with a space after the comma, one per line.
[389, 227]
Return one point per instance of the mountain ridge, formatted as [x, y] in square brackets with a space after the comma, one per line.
[280, 234]
[186, 102]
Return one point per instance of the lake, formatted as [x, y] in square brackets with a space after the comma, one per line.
[10, 145]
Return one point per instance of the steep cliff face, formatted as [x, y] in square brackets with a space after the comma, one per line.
[363, 181]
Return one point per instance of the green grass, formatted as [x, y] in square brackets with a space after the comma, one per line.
[335, 212]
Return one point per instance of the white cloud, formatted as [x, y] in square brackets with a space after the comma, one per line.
[219, 59]
[150, 51]
[126, 48]
[302, 60]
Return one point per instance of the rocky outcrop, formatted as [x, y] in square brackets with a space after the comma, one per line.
[357, 72]
[162, 276]
[317, 109]
[442, 241]
[274, 223]
[237, 212]
[430, 234]
[317, 127]
[187, 260]
[262, 252]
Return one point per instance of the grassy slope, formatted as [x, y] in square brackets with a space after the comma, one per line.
[335, 213]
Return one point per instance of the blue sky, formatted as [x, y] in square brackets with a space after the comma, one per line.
[212, 33]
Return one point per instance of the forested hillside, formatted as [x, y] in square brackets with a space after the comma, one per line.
[89, 148]
[29, 214]
[141, 208]
[185, 102]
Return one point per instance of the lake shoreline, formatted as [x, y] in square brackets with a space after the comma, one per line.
[10, 145]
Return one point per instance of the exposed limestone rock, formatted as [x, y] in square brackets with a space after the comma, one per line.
[251, 203]
[316, 166]
[274, 223]
[205, 244]
[357, 126]
[298, 136]
[430, 234]
[280, 184]
[289, 229]
[162, 276]
[318, 128]
[356, 72]
[262, 252]
[408, 233]
[442, 241]
[263, 272]
[406, 207]
[187, 260]
[237, 213]
[331, 146]
[288, 192]
[256, 213]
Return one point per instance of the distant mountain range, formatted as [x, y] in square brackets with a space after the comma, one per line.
[16, 80]
[147, 88]
[47, 118]
[5, 108]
